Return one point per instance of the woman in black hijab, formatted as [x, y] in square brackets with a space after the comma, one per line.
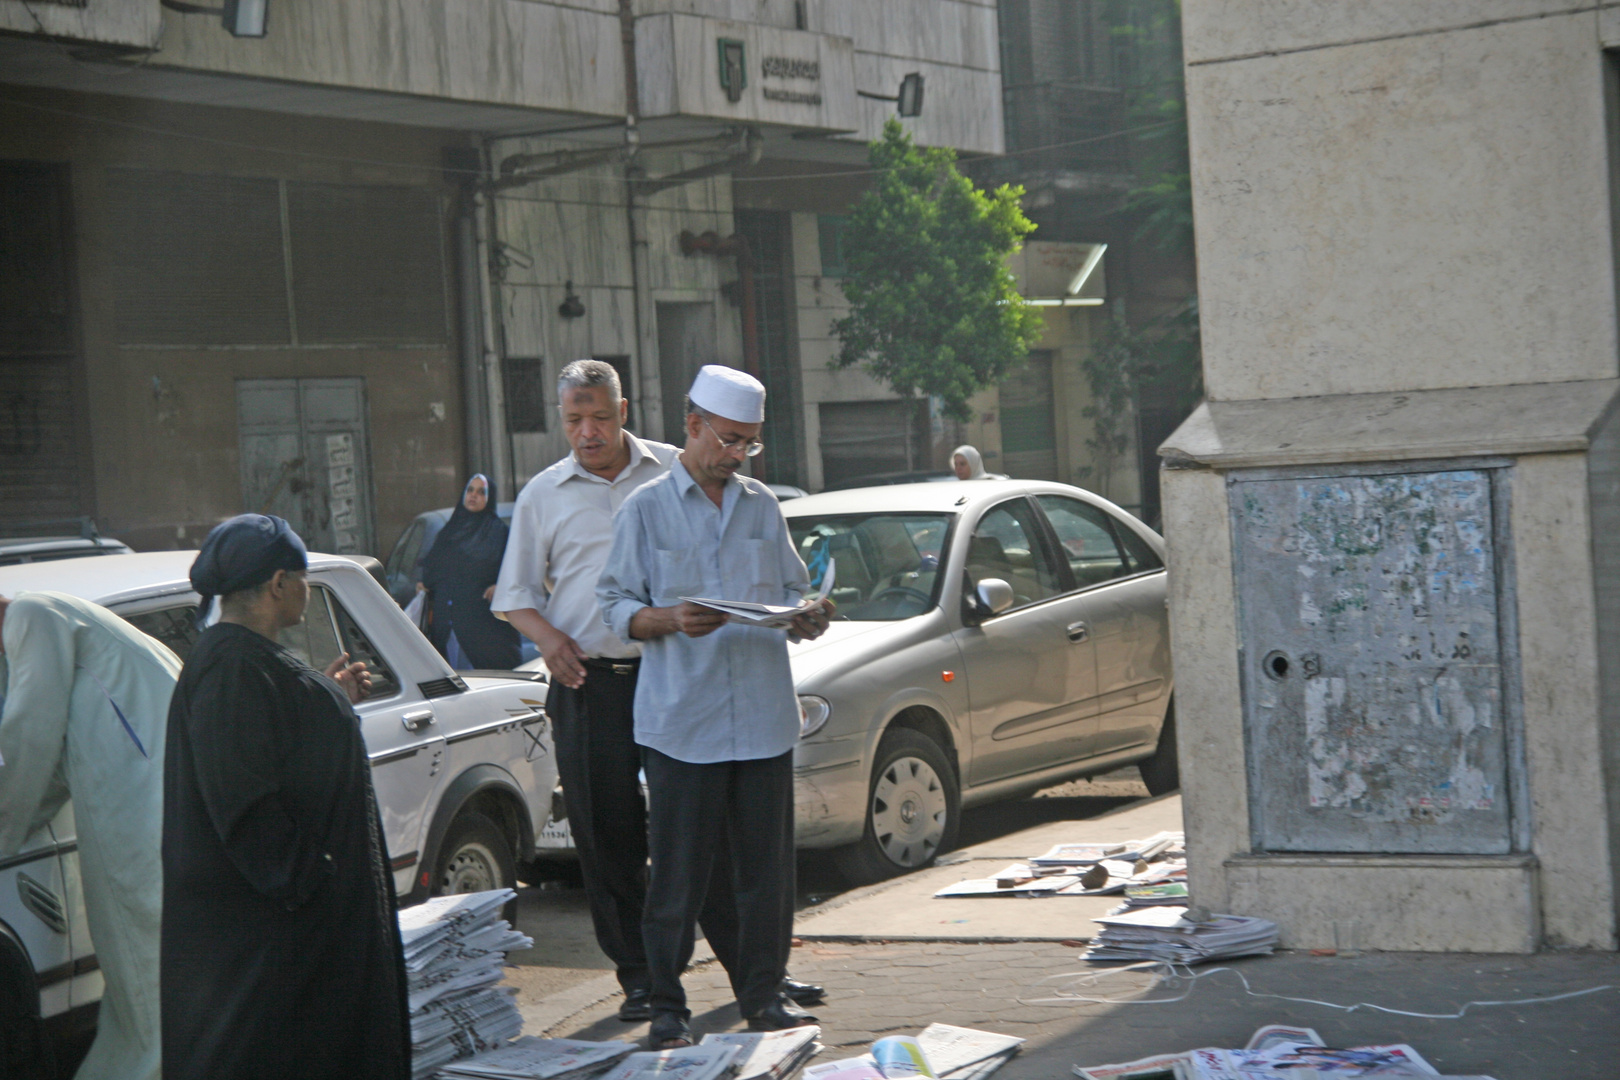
[459, 571]
[280, 944]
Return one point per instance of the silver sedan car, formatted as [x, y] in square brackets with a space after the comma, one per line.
[993, 638]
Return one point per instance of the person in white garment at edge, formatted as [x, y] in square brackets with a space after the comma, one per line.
[85, 715]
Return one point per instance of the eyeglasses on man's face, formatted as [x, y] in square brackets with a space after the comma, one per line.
[736, 444]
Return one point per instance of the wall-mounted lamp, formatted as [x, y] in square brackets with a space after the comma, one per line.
[909, 100]
[572, 306]
[241, 18]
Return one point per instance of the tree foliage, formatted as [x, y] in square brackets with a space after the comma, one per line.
[933, 307]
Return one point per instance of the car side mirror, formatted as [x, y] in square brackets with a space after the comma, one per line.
[994, 596]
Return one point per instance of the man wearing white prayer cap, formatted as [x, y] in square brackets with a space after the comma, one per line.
[715, 711]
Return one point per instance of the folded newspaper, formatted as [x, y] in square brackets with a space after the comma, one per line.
[768, 1055]
[533, 1058]
[772, 616]
[939, 1052]
[701, 1062]
[1163, 933]
[1275, 1052]
[455, 951]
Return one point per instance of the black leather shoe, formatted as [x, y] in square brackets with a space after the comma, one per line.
[637, 1005]
[802, 992]
[669, 1032]
[778, 1016]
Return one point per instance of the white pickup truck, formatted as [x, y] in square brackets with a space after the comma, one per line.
[462, 765]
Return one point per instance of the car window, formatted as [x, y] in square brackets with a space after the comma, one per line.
[1086, 538]
[1006, 545]
[402, 560]
[313, 640]
[384, 683]
[888, 564]
[1141, 556]
[176, 627]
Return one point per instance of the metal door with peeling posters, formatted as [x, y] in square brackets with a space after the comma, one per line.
[1372, 663]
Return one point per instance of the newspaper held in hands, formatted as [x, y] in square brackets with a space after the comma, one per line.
[772, 616]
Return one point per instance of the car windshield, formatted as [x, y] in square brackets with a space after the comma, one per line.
[888, 563]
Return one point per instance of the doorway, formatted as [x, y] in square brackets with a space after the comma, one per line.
[306, 457]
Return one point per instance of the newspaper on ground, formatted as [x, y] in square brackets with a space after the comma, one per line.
[455, 955]
[1015, 880]
[772, 616]
[1294, 1061]
[939, 1051]
[959, 1053]
[1082, 853]
[1275, 1052]
[701, 1062]
[1115, 876]
[1163, 933]
[534, 1058]
[1164, 894]
[1273, 1034]
[769, 1055]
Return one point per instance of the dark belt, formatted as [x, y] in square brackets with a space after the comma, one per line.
[616, 667]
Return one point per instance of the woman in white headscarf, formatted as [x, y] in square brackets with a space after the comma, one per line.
[967, 463]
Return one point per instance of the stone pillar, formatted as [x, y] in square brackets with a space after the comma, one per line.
[1395, 569]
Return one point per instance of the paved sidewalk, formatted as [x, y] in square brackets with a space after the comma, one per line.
[892, 966]
[876, 989]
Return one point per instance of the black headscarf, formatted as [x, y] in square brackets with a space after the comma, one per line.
[464, 561]
[244, 552]
[470, 543]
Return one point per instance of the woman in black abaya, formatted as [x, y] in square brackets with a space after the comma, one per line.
[459, 572]
[281, 955]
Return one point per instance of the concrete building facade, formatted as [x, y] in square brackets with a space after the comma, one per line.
[330, 271]
[1394, 596]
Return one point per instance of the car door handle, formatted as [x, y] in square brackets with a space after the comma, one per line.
[417, 719]
[1078, 631]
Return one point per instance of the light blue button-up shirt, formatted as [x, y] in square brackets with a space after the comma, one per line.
[727, 696]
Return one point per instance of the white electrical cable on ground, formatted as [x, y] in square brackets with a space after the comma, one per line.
[1168, 974]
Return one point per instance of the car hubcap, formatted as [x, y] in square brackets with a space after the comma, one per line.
[908, 812]
[471, 869]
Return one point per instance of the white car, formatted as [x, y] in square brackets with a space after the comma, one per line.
[462, 765]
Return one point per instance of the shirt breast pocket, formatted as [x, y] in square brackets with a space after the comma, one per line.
[756, 580]
[676, 573]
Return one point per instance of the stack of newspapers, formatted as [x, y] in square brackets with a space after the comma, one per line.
[455, 947]
[533, 1058]
[1164, 933]
[768, 1055]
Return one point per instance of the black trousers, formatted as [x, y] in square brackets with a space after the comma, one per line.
[593, 730]
[736, 814]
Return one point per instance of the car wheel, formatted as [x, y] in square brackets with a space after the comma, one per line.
[913, 809]
[475, 857]
[1162, 772]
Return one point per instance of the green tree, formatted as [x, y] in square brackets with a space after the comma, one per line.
[933, 309]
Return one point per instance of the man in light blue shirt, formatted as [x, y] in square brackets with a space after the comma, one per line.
[715, 712]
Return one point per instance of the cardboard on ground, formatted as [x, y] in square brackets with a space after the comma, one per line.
[771, 616]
